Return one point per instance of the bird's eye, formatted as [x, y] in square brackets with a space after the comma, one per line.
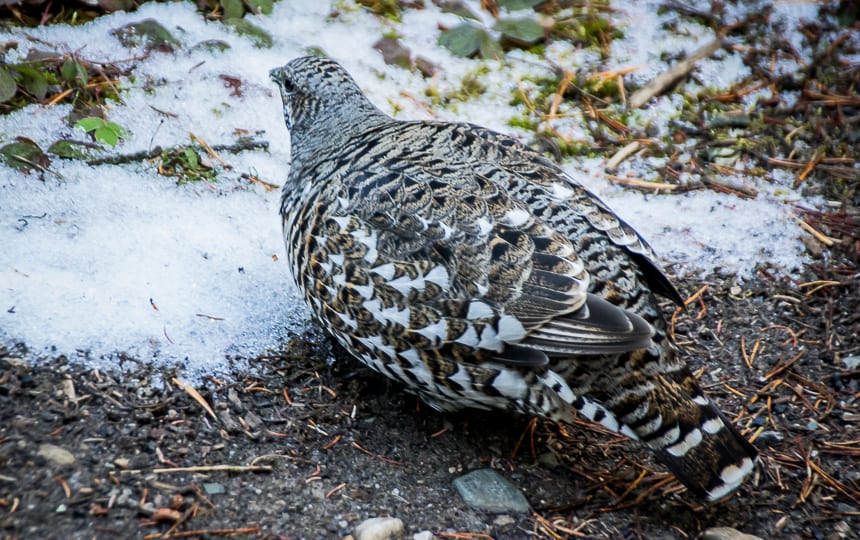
[288, 85]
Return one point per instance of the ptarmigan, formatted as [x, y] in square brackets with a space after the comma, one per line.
[475, 271]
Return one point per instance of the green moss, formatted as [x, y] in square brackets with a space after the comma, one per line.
[523, 122]
[589, 29]
[471, 86]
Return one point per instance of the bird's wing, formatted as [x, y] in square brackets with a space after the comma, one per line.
[578, 212]
[450, 258]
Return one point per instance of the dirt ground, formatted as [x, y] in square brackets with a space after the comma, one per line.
[309, 448]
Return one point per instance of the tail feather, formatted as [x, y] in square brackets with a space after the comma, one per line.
[712, 459]
[656, 399]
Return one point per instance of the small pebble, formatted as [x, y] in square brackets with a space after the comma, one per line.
[486, 490]
[767, 438]
[727, 533]
[850, 362]
[55, 454]
[379, 528]
[423, 535]
[122, 463]
[213, 488]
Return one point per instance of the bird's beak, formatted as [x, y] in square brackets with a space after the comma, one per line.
[277, 75]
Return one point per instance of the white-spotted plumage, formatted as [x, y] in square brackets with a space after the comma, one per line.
[472, 269]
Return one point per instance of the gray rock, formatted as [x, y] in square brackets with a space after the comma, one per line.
[487, 491]
[727, 533]
[55, 454]
[851, 362]
[213, 488]
[379, 528]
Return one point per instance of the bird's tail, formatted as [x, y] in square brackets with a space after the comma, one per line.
[652, 396]
[710, 457]
[670, 413]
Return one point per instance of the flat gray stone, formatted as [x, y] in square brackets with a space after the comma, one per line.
[487, 491]
[55, 454]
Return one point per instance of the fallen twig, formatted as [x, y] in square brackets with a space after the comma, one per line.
[673, 74]
[216, 468]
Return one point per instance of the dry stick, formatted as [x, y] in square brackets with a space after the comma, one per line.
[821, 237]
[156, 152]
[216, 468]
[641, 183]
[203, 532]
[669, 77]
[622, 154]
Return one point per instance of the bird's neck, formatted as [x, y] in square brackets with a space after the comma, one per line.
[331, 130]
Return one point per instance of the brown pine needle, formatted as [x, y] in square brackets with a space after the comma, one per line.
[330, 445]
[530, 428]
[818, 285]
[212, 153]
[783, 327]
[780, 368]
[59, 479]
[191, 391]
[335, 489]
[695, 295]
[377, 456]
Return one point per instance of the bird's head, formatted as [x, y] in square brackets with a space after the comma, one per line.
[320, 96]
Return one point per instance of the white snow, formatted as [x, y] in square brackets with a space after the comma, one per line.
[101, 260]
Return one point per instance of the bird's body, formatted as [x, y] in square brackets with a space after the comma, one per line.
[476, 272]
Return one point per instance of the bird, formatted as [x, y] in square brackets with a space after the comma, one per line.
[477, 273]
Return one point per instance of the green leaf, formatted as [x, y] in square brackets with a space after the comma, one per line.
[233, 9]
[262, 6]
[8, 86]
[459, 8]
[147, 33]
[69, 149]
[211, 45]
[68, 70]
[106, 135]
[513, 5]
[261, 39]
[490, 48]
[72, 69]
[191, 158]
[118, 130]
[520, 31]
[24, 155]
[90, 123]
[462, 40]
[35, 83]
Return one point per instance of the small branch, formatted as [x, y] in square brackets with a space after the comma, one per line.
[216, 468]
[147, 155]
[673, 74]
[622, 154]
